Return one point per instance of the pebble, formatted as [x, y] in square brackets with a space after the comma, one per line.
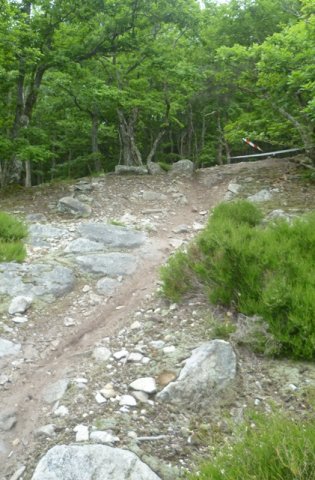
[144, 384]
[69, 322]
[108, 391]
[157, 344]
[106, 438]
[135, 325]
[169, 349]
[82, 433]
[46, 431]
[128, 400]
[3, 379]
[101, 354]
[99, 398]
[19, 319]
[61, 411]
[121, 354]
[135, 357]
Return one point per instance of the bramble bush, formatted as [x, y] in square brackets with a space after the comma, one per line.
[266, 270]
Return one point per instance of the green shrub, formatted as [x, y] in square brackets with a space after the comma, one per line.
[268, 271]
[12, 231]
[10, 228]
[275, 448]
[12, 251]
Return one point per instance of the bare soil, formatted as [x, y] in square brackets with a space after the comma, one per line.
[52, 351]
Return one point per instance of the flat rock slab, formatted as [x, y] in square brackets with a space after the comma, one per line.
[8, 348]
[40, 280]
[84, 245]
[111, 235]
[207, 374]
[107, 286]
[41, 235]
[74, 207]
[86, 462]
[112, 264]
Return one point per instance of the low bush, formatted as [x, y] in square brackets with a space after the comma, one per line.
[271, 448]
[12, 231]
[265, 270]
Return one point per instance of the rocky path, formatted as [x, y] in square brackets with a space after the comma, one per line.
[95, 325]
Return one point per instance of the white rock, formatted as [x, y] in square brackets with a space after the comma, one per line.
[55, 391]
[97, 462]
[157, 344]
[141, 396]
[8, 348]
[108, 391]
[169, 349]
[101, 354]
[3, 379]
[135, 325]
[61, 411]
[20, 304]
[19, 319]
[261, 196]
[234, 187]
[128, 400]
[46, 431]
[135, 357]
[197, 226]
[82, 433]
[69, 322]
[81, 380]
[145, 360]
[144, 384]
[121, 354]
[99, 398]
[105, 438]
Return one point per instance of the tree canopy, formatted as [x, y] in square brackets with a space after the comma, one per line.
[86, 85]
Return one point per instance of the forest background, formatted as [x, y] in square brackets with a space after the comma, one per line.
[85, 85]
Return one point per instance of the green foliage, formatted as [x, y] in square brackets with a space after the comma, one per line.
[12, 252]
[176, 276]
[12, 231]
[271, 448]
[223, 330]
[265, 271]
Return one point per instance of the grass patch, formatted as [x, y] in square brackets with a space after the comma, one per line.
[272, 448]
[12, 232]
[258, 270]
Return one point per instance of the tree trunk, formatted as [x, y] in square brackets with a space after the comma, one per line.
[154, 146]
[306, 133]
[130, 152]
[94, 137]
[28, 174]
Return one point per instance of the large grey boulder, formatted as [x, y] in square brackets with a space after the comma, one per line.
[74, 207]
[87, 462]
[110, 264]
[155, 169]
[182, 167]
[130, 170]
[112, 235]
[207, 373]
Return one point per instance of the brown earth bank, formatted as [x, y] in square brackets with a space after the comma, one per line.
[60, 340]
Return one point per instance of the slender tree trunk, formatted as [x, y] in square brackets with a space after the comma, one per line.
[306, 133]
[94, 136]
[28, 174]
[154, 146]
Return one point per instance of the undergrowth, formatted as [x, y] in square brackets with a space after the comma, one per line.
[270, 448]
[12, 232]
[263, 270]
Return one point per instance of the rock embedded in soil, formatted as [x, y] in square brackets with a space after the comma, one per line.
[20, 304]
[113, 264]
[144, 384]
[207, 374]
[74, 207]
[55, 391]
[8, 348]
[7, 420]
[112, 236]
[99, 462]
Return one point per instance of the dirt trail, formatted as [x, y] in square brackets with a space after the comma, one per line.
[93, 323]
